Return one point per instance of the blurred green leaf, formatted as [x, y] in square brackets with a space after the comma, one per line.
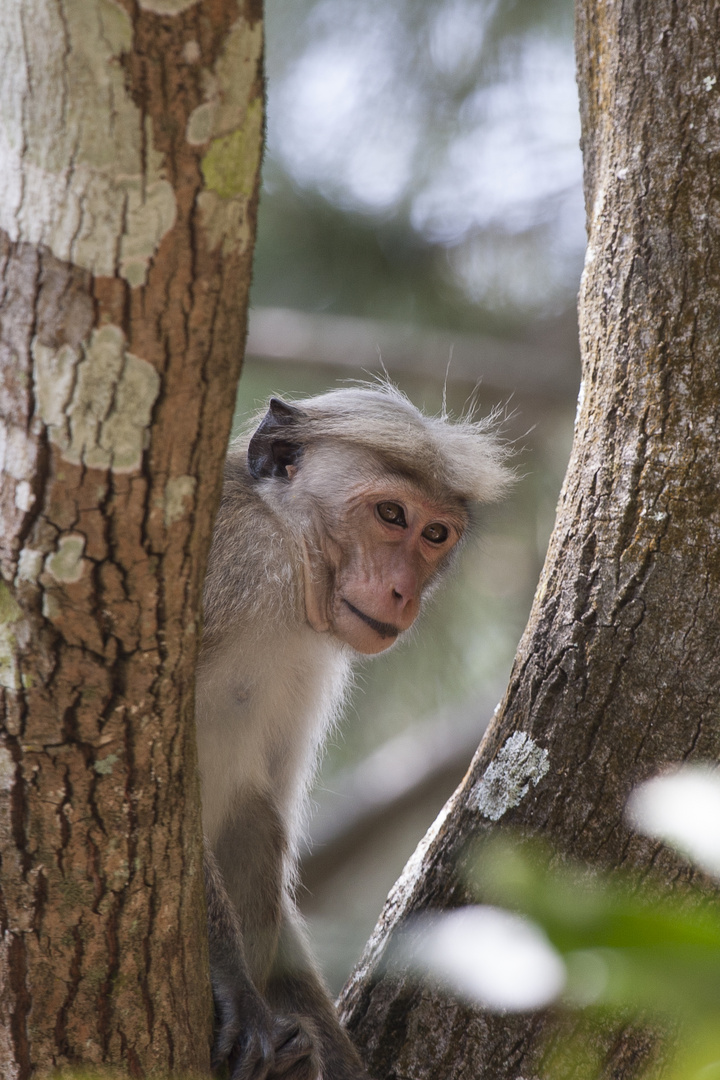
[635, 953]
[580, 908]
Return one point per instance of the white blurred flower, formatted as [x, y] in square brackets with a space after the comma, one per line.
[488, 956]
[683, 809]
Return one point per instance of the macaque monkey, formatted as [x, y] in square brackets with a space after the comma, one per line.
[338, 515]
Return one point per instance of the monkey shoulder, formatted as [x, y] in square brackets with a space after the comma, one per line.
[251, 579]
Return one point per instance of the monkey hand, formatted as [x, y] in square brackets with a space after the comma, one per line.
[243, 1035]
[254, 1044]
[296, 1056]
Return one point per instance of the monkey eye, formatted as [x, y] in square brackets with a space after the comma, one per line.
[392, 513]
[436, 532]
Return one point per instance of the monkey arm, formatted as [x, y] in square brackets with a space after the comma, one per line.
[251, 853]
[295, 986]
[256, 1043]
[249, 858]
[243, 1022]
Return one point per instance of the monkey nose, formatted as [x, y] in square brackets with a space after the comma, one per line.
[404, 595]
[402, 590]
[404, 610]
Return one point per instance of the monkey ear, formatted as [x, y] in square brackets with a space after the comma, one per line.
[270, 450]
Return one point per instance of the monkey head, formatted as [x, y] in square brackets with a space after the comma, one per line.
[376, 501]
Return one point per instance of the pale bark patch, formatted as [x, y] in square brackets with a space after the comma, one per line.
[7, 770]
[66, 564]
[77, 171]
[104, 766]
[24, 497]
[96, 400]
[29, 564]
[230, 120]
[231, 160]
[191, 52]
[167, 7]
[179, 493]
[10, 615]
[16, 452]
[151, 213]
[519, 764]
[227, 86]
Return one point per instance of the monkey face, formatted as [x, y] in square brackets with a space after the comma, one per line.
[390, 544]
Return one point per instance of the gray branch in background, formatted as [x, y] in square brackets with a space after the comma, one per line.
[543, 362]
[359, 801]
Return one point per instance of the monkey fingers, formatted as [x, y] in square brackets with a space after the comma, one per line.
[296, 1056]
[243, 1035]
[249, 1058]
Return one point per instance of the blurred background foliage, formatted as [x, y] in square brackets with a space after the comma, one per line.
[422, 160]
[422, 211]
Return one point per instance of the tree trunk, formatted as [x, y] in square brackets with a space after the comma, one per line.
[130, 140]
[618, 672]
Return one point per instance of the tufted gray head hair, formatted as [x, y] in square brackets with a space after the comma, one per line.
[464, 456]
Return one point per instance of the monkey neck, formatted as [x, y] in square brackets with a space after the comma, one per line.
[314, 612]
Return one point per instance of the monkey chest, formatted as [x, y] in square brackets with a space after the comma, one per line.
[260, 723]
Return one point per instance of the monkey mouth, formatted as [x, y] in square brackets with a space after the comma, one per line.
[385, 630]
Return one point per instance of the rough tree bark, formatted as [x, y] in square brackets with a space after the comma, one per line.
[618, 672]
[130, 142]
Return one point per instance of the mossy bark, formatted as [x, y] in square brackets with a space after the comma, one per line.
[124, 276]
[618, 672]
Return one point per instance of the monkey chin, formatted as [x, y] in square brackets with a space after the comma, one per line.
[362, 632]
